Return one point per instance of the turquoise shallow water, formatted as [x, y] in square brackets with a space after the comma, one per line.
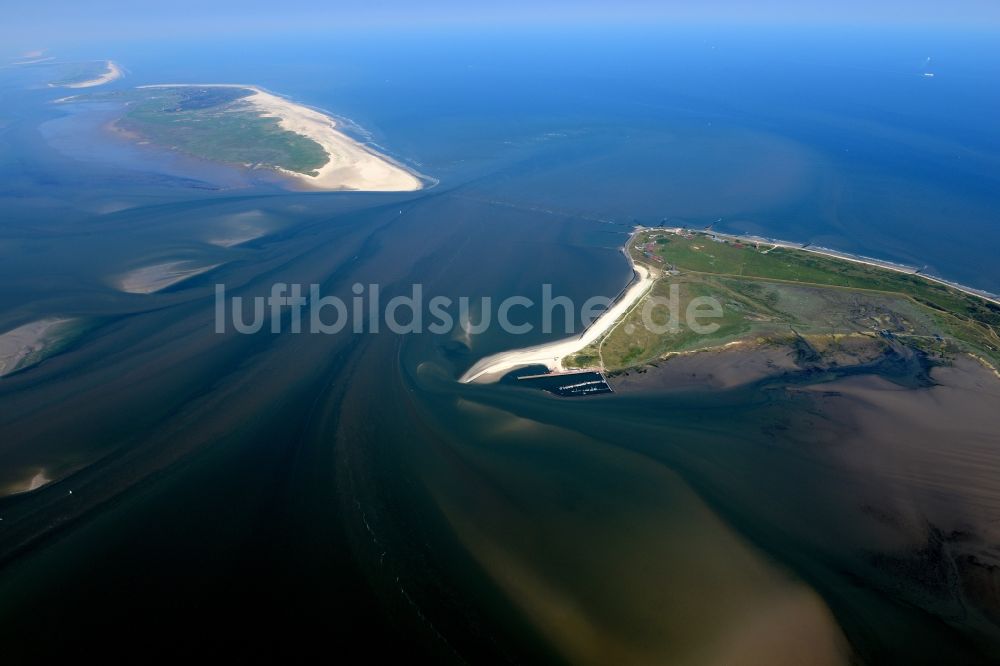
[270, 494]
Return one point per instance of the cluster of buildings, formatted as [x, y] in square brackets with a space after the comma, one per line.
[649, 251]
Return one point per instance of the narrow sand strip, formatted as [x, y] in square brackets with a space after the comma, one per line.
[114, 72]
[351, 165]
[32, 61]
[551, 354]
[149, 279]
[19, 345]
[233, 241]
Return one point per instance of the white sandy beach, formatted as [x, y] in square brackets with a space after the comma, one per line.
[149, 279]
[18, 345]
[551, 354]
[351, 165]
[113, 72]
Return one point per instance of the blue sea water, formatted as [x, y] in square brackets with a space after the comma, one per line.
[835, 137]
[301, 457]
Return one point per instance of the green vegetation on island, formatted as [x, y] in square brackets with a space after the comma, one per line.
[216, 123]
[782, 295]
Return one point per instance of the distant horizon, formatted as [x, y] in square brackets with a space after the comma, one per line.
[52, 22]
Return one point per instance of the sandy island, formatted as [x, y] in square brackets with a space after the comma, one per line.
[351, 165]
[552, 354]
[113, 72]
[19, 345]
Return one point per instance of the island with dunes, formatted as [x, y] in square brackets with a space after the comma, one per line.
[86, 74]
[250, 128]
[774, 301]
[822, 304]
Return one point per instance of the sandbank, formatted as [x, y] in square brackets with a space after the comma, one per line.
[149, 279]
[18, 346]
[240, 228]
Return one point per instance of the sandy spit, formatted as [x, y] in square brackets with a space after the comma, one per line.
[113, 72]
[552, 354]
